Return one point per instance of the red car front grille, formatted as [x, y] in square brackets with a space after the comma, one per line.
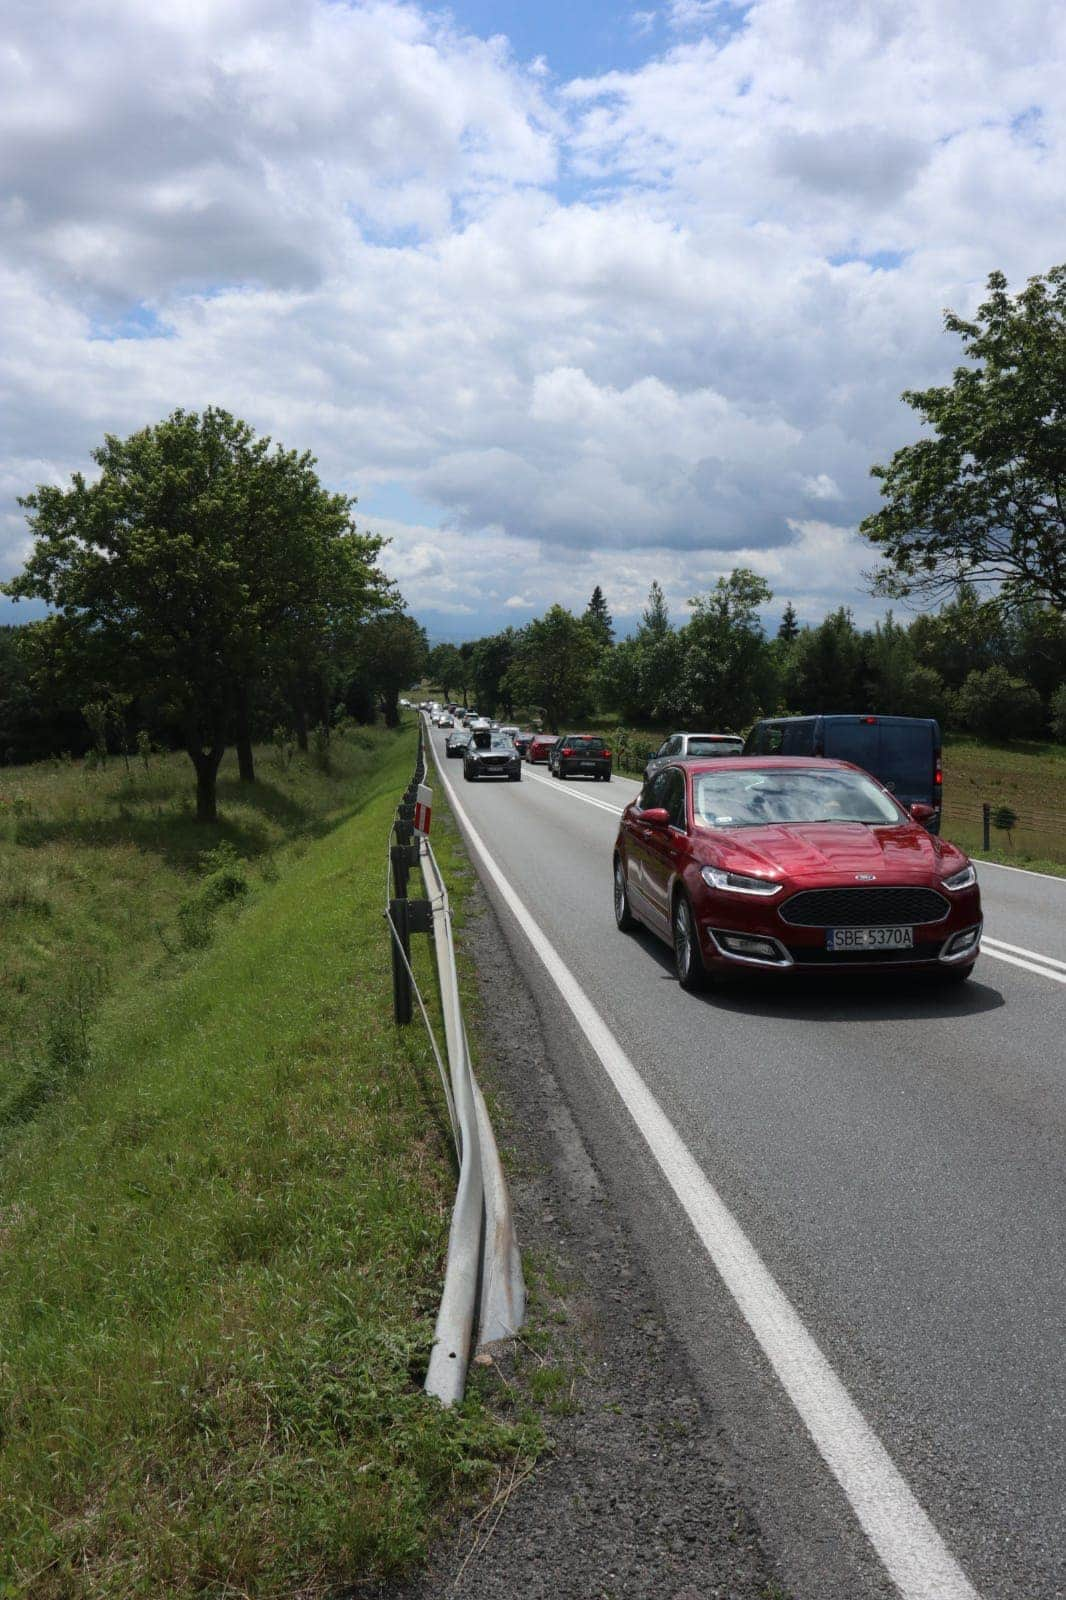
[862, 908]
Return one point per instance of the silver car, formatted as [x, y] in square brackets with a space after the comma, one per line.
[687, 746]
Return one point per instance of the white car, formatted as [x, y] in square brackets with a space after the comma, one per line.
[691, 746]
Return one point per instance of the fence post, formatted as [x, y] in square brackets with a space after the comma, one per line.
[400, 941]
[986, 819]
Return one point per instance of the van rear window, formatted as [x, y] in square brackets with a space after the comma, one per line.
[714, 747]
[900, 754]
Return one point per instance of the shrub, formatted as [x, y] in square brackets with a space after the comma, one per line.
[996, 706]
[1058, 713]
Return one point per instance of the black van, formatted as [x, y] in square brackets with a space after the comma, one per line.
[903, 753]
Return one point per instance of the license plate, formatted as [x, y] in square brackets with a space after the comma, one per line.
[588, 766]
[869, 938]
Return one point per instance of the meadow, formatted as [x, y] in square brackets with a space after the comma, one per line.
[225, 1186]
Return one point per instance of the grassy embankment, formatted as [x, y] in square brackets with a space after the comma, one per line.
[224, 1193]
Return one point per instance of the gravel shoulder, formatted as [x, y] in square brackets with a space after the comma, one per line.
[635, 1495]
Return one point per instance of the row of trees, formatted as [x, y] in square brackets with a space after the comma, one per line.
[971, 664]
[204, 584]
[976, 506]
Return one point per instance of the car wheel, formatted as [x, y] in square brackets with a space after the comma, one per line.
[688, 961]
[467, 774]
[623, 916]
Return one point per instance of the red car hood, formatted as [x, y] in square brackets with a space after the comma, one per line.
[820, 849]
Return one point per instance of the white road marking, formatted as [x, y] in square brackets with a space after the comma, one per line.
[1050, 877]
[575, 794]
[1043, 966]
[912, 1551]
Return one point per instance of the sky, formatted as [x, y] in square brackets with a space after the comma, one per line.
[565, 295]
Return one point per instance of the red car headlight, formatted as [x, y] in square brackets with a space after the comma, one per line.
[737, 882]
[964, 879]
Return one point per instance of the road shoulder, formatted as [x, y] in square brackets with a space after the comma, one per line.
[634, 1496]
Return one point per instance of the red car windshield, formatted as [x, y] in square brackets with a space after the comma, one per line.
[754, 797]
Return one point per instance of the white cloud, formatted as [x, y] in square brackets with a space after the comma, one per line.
[649, 324]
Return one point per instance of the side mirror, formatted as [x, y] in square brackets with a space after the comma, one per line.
[656, 817]
[921, 812]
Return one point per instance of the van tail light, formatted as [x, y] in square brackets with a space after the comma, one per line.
[870, 722]
[938, 775]
[566, 751]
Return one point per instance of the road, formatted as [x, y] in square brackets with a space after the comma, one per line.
[893, 1156]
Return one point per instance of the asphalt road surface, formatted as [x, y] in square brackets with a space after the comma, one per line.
[890, 1157]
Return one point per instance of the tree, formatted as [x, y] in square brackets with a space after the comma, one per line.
[997, 706]
[789, 626]
[491, 660]
[445, 668]
[553, 666]
[597, 618]
[655, 619]
[1058, 713]
[966, 635]
[728, 669]
[394, 652]
[824, 667]
[196, 564]
[984, 500]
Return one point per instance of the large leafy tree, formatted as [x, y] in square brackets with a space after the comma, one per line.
[445, 668]
[553, 666]
[824, 667]
[196, 563]
[728, 672]
[984, 497]
[491, 660]
[394, 653]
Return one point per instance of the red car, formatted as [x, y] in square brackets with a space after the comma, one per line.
[792, 865]
[540, 747]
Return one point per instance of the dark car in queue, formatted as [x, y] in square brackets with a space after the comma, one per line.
[692, 746]
[792, 866]
[491, 755]
[541, 747]
[457, 742]
[522, 742]
[903, 753]
[584, 755]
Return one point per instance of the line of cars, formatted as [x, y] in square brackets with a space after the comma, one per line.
[773, 853]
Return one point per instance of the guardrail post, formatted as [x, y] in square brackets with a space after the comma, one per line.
[986, 818]
[400, 944]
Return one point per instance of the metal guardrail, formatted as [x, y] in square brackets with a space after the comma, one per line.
[484, 1296]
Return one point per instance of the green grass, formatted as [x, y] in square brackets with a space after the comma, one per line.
[223, 1234]
[1027, 776]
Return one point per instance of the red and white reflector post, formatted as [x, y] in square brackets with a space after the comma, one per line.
[423, 809]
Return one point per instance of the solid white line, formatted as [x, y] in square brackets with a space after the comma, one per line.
[988, 949]
[1034, 955]
[557, 788]
[913, 1553]
[1049, 877]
